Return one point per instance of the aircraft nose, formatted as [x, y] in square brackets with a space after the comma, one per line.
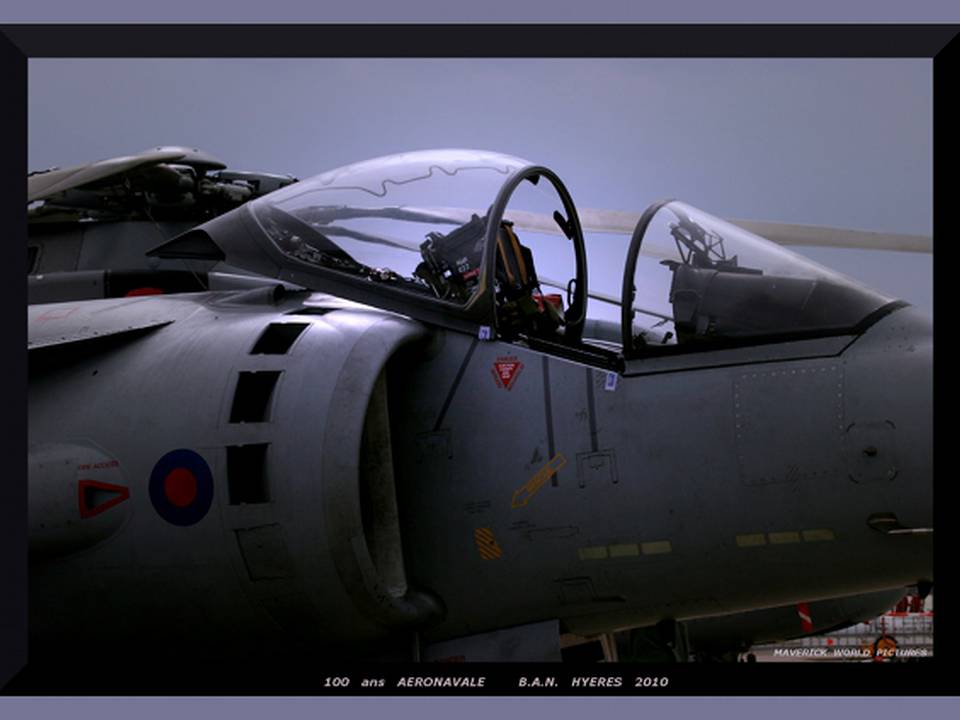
[888, 439]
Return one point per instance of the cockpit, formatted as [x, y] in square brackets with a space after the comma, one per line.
[693, 280]
[493, 244]
[465, 230]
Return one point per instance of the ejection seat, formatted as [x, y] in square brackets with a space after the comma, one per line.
[522, 308]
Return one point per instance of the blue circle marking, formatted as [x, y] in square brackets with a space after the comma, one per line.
[178, 461]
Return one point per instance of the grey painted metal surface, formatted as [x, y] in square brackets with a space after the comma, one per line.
[61, 324]
[740, 631]
[262, 556]
[526, 491]
[48, 183]
[661, 503]
[537, 642]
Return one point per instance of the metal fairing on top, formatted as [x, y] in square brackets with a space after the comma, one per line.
[55, 324]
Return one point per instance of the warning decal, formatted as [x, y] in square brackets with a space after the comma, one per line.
[523, 494]
[505, 371]
[486, 544]
[94, 496]
[806, 621]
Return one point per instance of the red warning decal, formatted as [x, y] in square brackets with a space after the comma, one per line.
[806, 621]
[99, 465]
[141, 291]
[505, 371]
[57, 313]
[95, 496]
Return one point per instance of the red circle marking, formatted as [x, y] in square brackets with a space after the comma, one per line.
[180, 487]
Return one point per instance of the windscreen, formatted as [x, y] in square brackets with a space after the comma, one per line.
[415, 220]
[700, 279]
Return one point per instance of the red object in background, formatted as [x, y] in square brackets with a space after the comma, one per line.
[138, 292]
[909, 604]
[553, 299]
[806, 621]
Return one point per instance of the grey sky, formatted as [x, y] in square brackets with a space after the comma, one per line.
[846, 143]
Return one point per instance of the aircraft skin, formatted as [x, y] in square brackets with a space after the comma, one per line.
[354, 481]
[730, 635]
[650, 474]
[655, 462]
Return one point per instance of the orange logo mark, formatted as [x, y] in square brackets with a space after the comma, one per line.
[486, 544]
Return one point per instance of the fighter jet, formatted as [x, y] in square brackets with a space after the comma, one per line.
[90, 225]
[405, 427]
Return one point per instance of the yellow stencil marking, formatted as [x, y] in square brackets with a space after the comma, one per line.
[486, 544]
[626, 550]
[593, 553]
[656, 548]
[782, 538]
[817, 535]
[752, 540]
[522, 496]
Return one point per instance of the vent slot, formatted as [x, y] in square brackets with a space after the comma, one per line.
[278, 338]
[246, 474]
[251, 401]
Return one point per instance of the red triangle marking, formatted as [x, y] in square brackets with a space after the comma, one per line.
[85, 490]
[507, 371]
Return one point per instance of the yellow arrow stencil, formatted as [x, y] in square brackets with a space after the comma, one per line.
[522, 496]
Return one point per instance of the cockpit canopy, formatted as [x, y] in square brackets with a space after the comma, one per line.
[416, 220]
[433, 231]
[471, 240]
[699, 280]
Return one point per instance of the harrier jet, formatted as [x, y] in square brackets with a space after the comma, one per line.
[387, 413]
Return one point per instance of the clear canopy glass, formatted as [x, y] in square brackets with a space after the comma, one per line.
[414, 220]
[700, 279]
[419, 222]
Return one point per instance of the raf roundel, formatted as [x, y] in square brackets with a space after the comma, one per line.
[181, 487]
